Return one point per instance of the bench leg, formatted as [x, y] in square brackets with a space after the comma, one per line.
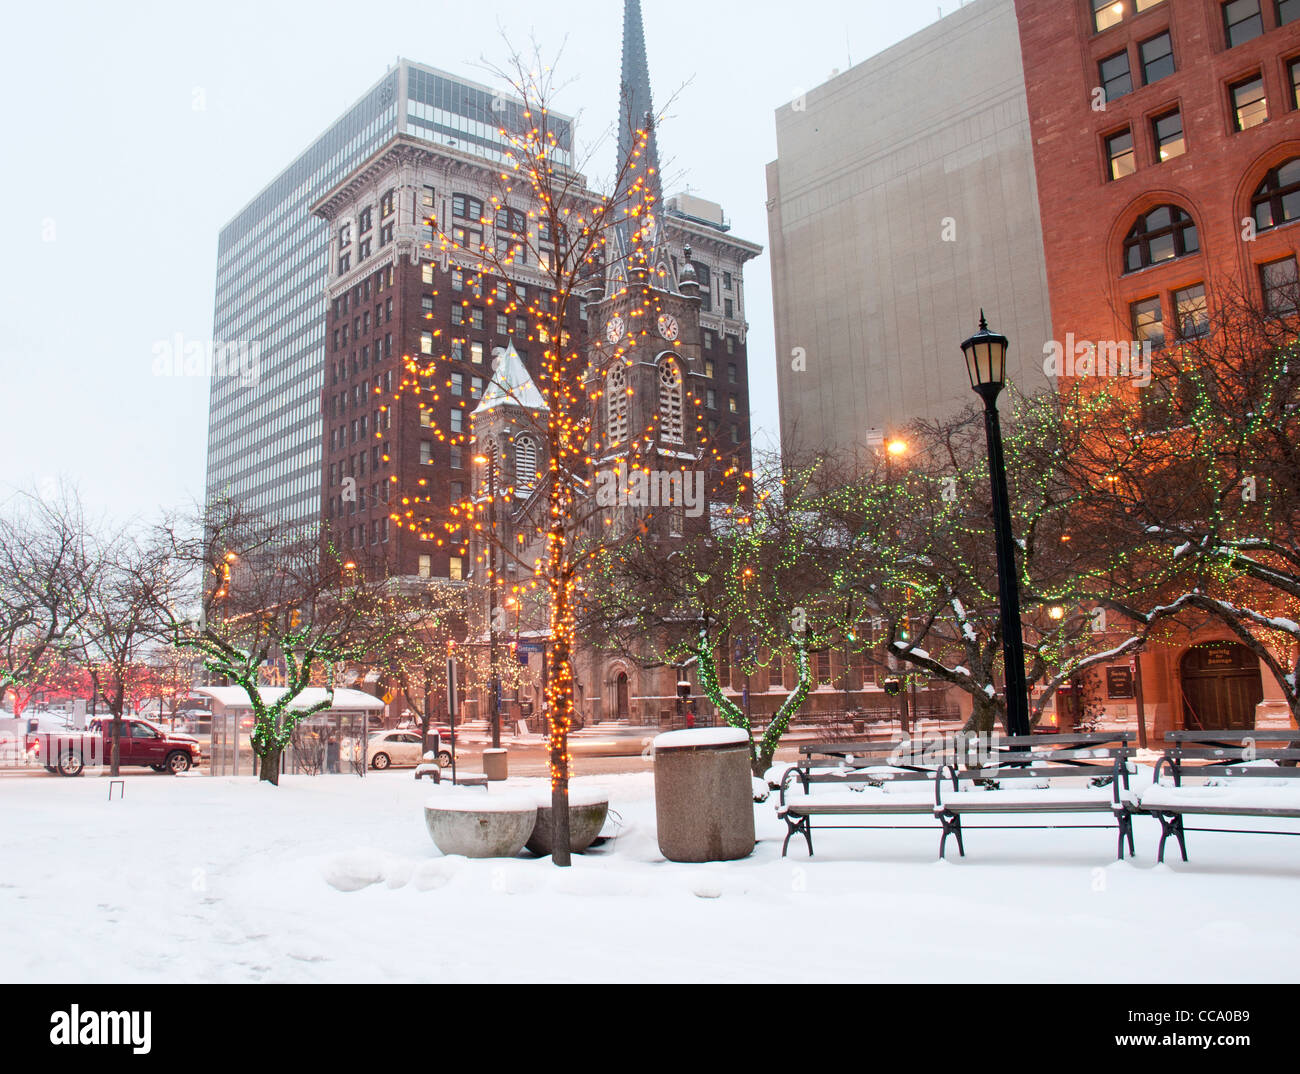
[1171, 824]
[802, 827]
[1125, 821]
[951, 826]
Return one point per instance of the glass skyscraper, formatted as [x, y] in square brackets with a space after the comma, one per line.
[265, 429]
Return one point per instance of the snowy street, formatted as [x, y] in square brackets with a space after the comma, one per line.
[201, 879]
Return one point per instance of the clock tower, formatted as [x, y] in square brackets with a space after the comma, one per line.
[646, 378]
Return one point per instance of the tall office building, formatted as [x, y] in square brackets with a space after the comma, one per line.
[264, 442]
[902, 202]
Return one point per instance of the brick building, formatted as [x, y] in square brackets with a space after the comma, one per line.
[1167, 150]
[399, 456]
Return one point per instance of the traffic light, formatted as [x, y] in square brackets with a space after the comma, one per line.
[295, 619]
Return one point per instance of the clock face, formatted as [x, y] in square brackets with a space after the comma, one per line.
[668, 327]
[614, 329]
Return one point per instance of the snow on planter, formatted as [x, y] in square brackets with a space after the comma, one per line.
[702, 738]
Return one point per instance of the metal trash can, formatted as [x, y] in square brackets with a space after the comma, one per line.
[704, 798]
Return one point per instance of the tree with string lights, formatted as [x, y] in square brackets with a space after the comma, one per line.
[923, 564]
[759, 572]
[1200, 470]
[586, 245]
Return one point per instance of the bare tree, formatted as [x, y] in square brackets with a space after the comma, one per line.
[261, 591]
[1199, 471]
[131, 579]
[44, 568]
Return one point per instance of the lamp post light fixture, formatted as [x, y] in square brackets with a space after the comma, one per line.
[986, 362]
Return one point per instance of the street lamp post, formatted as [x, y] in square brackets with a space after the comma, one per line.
[986, 361]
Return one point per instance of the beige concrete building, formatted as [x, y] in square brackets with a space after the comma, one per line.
[902, 201]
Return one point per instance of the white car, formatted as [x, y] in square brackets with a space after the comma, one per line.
[400, 749]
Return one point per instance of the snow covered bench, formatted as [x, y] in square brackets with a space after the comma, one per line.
[1219, 757]
[1066, 774]
[870, 779]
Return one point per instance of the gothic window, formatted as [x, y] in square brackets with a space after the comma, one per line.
[1277, 199]
[616, 402]
[670, 401]
[525, 462]
[1163, 234]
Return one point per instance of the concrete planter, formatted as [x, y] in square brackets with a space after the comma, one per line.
[587, 812]
[704, 806]
[479, 825]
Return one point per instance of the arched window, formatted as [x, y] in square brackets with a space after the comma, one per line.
[1277, 200]
[616, 402]
[1160, 235]
[525, 462]
[670, 401]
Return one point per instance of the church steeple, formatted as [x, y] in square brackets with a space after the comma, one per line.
[635, 111]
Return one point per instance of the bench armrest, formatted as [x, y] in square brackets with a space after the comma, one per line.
[794, 770]
[1175, 770]
[938, 782]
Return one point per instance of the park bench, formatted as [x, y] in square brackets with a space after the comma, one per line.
[946, 780]
[1093, 766]
[870, 778]
[1219, 756]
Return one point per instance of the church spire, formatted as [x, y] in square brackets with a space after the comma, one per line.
[636, 110]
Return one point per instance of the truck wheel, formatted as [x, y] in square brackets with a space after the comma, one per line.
[70, 764]
[379, 762]
[178, 762]
[444, 759]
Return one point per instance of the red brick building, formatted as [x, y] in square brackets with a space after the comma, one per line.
[1167, 151]
[1157, 124]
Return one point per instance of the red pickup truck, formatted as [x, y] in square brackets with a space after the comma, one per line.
[141, 743]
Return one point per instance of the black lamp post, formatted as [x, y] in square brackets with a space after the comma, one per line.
[986, 361]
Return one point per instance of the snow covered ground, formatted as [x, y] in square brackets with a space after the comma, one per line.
[336, 879]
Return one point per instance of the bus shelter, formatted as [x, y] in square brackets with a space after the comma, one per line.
[328, 742]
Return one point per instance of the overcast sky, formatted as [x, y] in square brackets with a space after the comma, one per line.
[136, 130]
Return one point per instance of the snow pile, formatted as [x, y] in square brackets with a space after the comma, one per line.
[336, 879]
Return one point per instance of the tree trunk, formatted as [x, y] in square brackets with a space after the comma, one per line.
[986, 715]
[268, 766]
[115, 749]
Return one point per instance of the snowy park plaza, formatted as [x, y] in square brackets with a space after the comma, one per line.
[335, 879]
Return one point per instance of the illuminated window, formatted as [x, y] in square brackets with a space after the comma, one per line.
[1249, 104]
[1162, 234]
[1119, 151]
[1168, 132]
[1148, 321]
[1107, 13]
[1193, 318]
[1277, 199]
[456, 569]
[1281, 284]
